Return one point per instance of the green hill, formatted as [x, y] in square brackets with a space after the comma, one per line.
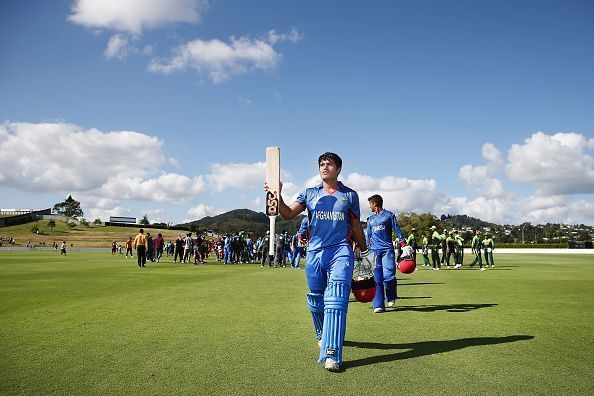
[255, 223]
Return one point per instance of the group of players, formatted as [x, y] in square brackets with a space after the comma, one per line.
[451, 246]
[148, 248]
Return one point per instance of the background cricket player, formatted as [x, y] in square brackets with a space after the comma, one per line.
[380, 226]
[412, 242]
[425, 247]
[435, 244]
[450, 249]
[302, 237]
[333, 211]
[476, 246]
[459, 249]
[488, 246]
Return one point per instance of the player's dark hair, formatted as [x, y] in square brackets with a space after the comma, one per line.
[377, 199]
[331, 157]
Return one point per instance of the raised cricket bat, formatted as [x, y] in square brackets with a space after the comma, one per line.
[272, 195]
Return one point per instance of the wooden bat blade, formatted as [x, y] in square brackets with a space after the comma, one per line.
[272, 180]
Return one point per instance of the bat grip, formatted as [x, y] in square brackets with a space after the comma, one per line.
[272, 234]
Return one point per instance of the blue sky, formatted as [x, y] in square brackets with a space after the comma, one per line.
[166, 107]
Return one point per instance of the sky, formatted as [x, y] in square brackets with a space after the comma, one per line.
[165, 107]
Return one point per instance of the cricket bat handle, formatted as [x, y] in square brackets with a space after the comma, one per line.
[272, 234]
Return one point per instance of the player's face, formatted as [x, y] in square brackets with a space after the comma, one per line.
[329, 170]
[372, 206]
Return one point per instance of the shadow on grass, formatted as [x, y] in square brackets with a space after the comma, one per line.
[423, 348]
[448, 307]
[412, 297]
[419, 283]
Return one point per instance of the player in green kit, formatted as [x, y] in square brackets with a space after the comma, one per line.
[477, 245]
[488, 246]
[459, 249]
[425, 247]
[412, 242]
[435, 245]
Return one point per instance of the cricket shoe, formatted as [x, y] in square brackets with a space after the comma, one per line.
[378, 310]
[331, 365]
[483, 269]
[391, 303]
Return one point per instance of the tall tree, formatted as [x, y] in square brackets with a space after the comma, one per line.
[51, 224]
[144, 221]
[70, 207]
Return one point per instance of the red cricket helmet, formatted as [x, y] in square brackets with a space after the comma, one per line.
[407, 265]
[363, 289]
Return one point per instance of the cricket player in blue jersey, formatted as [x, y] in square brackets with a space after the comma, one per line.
[298, 244]
[380, 226]
[333, 213]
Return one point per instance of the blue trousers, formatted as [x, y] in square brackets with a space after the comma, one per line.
[384, 275]
[297, 254]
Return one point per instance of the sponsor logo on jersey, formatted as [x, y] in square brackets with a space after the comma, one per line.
[323, 215]
[380, 227]
[344, 201]
[331, 352]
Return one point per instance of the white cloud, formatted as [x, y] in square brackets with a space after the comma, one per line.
[117, 47]
[501, 210]
[236, 175]
[133, 16]
[480, 178]
[97, 202]
[399, 193]
[581, 211]
[559, 164]
[293, 36]
[106, 167]
[203, 210]
[104, 214]
[64, 157]
[491, 154]
[169, 187]
[219, 60]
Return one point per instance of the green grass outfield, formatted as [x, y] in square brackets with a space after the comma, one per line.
[93, 323]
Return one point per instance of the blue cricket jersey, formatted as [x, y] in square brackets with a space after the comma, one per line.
[379, 230]
[329, 215]
[303, 228]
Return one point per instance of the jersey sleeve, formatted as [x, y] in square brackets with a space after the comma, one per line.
[302, 198]
[397, 230]
[368, 234]
[302, 233]
[355, 210]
